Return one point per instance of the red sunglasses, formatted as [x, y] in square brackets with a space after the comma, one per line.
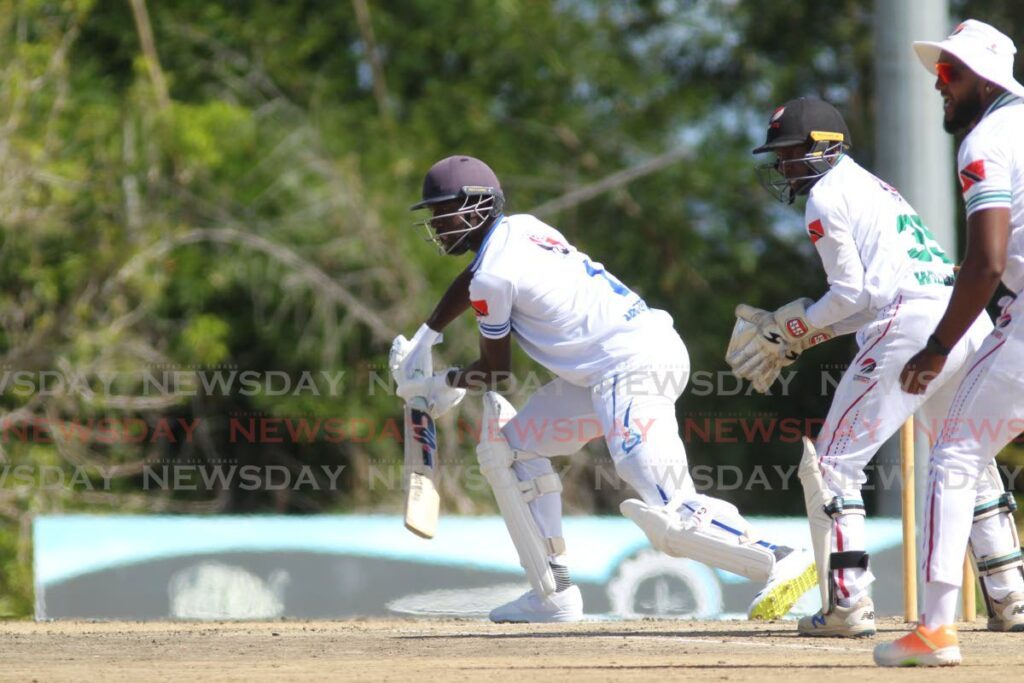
[946, 72]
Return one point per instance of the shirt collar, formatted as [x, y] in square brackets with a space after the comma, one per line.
[1004, 99]
[487, 238]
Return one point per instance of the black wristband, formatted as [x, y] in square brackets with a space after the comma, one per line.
[936, 347]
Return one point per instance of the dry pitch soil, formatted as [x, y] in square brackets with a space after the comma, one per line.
[463, 650]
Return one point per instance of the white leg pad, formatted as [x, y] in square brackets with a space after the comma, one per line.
[816, 497]
[697, 539]
[1005, 554]
[513, 496]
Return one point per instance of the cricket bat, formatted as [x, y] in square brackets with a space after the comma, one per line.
[422, 502]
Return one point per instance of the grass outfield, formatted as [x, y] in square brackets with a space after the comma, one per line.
[463, 650]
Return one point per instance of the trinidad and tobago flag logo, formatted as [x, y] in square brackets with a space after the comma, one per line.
[776, 118]
[868, 366]
[816, 231]
[480, 307]
[973, 172]
[550, 244]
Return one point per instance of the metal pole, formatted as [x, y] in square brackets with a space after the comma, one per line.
[914, 154]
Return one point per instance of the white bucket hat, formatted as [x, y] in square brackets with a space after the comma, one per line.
[982, 48]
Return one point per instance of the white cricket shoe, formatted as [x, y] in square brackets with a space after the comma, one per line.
[857, 621]
[791, 577]
[530, 608]
[1008, 613]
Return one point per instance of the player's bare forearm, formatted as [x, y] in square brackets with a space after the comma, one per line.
[491, 369]
[477, 377]
[988, 233]
[974, 287]
[453, 304]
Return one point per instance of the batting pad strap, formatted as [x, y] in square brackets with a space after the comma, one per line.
[848, 559]
[538, 486]
[844, 506]
[999, 562]
[555, 545]
[991, 508]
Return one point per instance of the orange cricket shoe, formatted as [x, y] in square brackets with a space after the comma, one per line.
[921, 647]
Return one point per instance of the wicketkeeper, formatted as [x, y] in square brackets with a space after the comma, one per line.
[889, 283]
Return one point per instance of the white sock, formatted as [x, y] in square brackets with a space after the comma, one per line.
[939, 604]
[847, 603]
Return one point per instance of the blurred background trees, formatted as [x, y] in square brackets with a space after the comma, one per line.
[233, 197]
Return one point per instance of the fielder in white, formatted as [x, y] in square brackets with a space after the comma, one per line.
[889, 283]
[618, 364]
[974, 75]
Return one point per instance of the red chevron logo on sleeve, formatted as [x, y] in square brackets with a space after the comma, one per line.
[480, 307]
[973, 172]
[816, 231]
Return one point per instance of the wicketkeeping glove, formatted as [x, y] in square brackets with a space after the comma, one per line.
[763, 342]
[749, 360]
[787, 328]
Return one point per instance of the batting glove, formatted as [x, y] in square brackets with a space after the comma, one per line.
[439, 396]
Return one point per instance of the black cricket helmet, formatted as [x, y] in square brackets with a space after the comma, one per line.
[804, 121]
[474, 185]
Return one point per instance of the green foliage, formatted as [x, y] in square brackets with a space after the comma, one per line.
[204, 339]
[258, 222]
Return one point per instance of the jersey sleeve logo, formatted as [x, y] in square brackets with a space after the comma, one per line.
[973, 172]
[550, 244]
[480, 307]
[816, 231]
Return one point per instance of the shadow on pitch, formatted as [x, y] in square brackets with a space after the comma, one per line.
[765, 635]
[671, 667]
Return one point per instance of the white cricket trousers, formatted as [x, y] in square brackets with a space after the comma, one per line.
[869, 407]
[634, 410]
[987, 412]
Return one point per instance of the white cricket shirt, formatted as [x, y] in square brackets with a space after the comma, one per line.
[872, 244]
[566, 311]
[991, 165]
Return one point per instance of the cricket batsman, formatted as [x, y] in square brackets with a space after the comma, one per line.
[617, 362]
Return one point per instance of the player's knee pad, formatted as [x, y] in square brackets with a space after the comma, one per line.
[1006, 556]
[513, 496]
[823, 508]
[700, 536]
